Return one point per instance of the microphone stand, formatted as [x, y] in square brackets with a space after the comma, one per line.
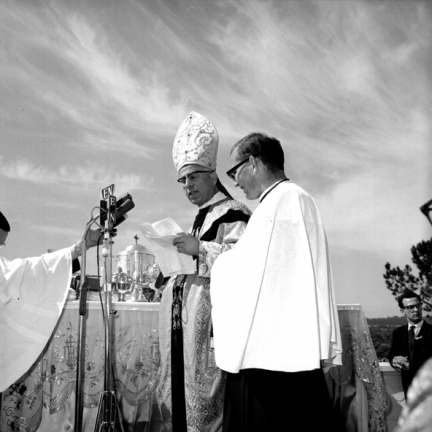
[108, 405]
[79, 391]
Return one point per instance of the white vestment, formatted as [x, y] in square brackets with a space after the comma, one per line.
[272, 295]
[32, 295]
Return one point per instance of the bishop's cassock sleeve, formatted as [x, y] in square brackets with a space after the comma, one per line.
[227, 236]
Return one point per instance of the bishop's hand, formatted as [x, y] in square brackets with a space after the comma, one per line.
[187, 244]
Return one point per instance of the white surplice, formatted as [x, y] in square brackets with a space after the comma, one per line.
[272, 295]
[32, 295]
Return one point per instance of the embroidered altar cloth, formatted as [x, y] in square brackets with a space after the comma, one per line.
[44, 398]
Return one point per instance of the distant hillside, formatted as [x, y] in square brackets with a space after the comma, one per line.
[393, 321]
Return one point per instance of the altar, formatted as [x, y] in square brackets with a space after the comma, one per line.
[44, 398]
[357, 388]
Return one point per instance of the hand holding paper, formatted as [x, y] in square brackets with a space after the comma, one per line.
[159, 238]
[186, 244]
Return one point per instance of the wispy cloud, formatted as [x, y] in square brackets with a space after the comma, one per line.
[57, 230]
[108, 97]
[69, 205]
[75, 178]
[340, 83]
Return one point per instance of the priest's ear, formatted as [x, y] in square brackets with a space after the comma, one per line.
[214, 178]
[255, 160]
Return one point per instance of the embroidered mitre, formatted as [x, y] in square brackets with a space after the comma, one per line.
[196, 142]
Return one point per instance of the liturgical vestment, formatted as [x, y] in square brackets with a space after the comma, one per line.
[202, 382]
[32, 295]
[272, 295]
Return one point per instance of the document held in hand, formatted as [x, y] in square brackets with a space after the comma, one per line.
[158, 237]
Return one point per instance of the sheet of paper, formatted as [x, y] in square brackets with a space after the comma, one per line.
[158, 237]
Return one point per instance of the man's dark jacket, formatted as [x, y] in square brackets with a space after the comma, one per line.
[422, 350]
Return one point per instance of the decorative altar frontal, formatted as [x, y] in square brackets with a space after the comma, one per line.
[44, 398]
[357, 388]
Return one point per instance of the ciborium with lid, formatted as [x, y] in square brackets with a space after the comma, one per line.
[136, 273]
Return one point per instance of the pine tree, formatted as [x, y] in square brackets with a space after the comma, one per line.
[397, 279]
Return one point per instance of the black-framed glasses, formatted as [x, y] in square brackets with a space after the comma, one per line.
[231, 173]
[412, 307]
[192, 177]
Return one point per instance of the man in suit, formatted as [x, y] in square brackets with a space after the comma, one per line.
[412, 343]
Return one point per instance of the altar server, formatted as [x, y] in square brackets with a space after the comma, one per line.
[32, 294]
[191, 388]
[274, 311]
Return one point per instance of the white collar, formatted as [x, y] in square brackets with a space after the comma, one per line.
[264, 192]
[273, 185]
[218, 196]
[417, 326]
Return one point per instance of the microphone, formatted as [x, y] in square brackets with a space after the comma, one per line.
[122, 199]
[123, 205]
[120, 219]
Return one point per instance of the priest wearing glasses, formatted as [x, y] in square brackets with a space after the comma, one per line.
[280, 325]
[412, 342]
[191, 388]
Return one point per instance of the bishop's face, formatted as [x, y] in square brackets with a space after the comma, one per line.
[200, 184]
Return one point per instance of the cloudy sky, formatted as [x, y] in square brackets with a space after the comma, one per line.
[92, 93]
